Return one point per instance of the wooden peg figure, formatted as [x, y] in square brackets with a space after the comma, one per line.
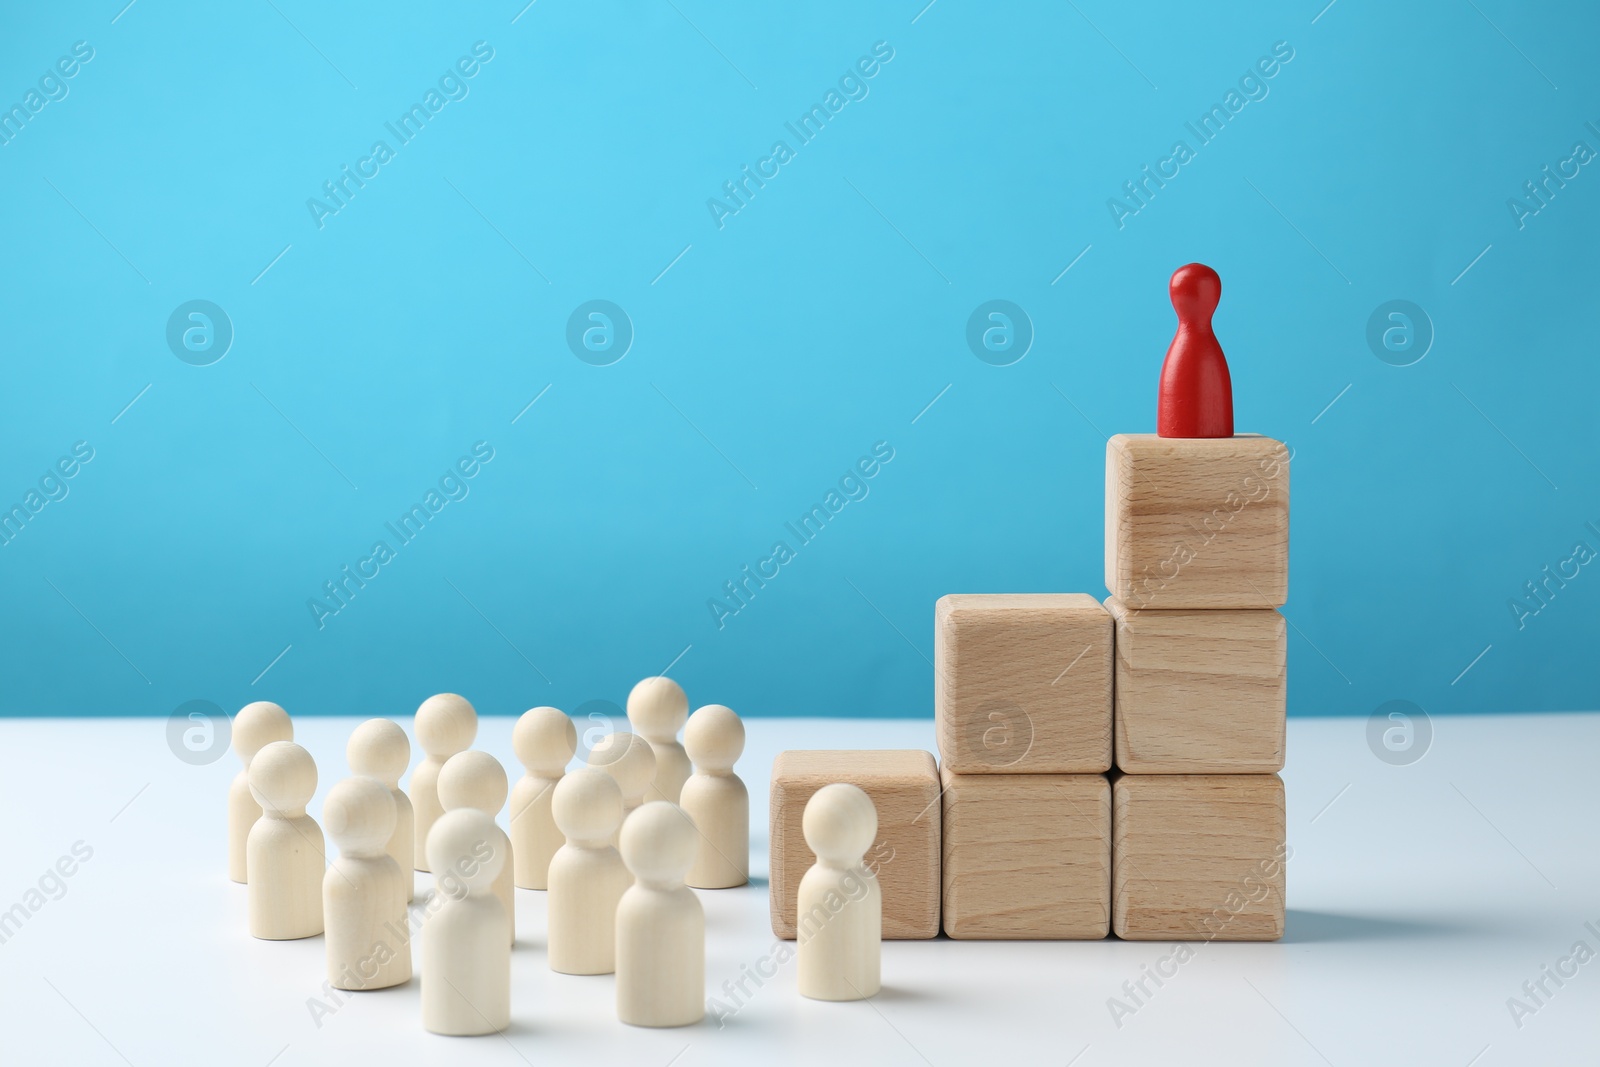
[379, 748]
[445, 724]
[630, 760]
[661, 928]
[716, 799]
[364, 891]
[544, 740]
[474, 779]
[285, 850]
[657, 709]
[1196, 398]
[840, 907]
[254, 727]
[466, 962]
[587, 875]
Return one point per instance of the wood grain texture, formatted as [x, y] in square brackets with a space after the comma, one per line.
[1022, 683]
[1197, 523]
[1200, 692]
[1026, 856]
[904, 786]
[1198, 857]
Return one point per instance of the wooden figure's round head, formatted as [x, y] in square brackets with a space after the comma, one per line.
[462, 852]
[587, 805]
[472, 779]
[379, 748]
[658, 842]
[628, 758]
[446, 724]
[359, 815]
[1195, 290]
[657, 709]
[283, 777]
[840, 824]
[714, 738]
[544, 740]
[258, 725]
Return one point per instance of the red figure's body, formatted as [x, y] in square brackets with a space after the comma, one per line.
[1196, 393]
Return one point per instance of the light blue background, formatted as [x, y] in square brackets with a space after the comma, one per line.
[775, 351]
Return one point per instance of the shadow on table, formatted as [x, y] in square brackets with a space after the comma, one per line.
[900, 994]
[1305, 927]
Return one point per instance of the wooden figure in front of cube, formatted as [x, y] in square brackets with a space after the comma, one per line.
[630, 760]
[903, 786]
[661, 928]
[285, 850]
[445, 724]
[364, 891]
[466, 962]
[544, 740]
[474, 779]
[840, 907]
[379, 748]
[256, 726]
[716, 799]
[587, 876]
[657, 710]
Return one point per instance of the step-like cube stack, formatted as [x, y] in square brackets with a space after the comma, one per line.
[1102, 767]
[1023, 714]
[1197, 563]
[1105, 768]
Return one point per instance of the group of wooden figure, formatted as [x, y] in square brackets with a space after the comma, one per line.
[618, 846]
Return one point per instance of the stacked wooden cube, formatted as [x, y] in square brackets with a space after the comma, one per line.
[1197, 562]
[1103, 768]
[1022, 710]
[1176, 687]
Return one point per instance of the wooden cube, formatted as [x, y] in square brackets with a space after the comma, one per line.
[1198, 857]
[1197, 523]
[1200, 692]
[1027, 856]
[904, 786]
[1022, 683]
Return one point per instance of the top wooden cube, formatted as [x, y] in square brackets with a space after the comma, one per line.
[1022, 683]
[1197, 523]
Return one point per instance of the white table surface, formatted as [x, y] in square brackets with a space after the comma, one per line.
[1421, 898]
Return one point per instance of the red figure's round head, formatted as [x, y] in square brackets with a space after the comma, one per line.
[1195, 290]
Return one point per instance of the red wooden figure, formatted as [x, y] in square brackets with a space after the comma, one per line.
[1196, 397]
